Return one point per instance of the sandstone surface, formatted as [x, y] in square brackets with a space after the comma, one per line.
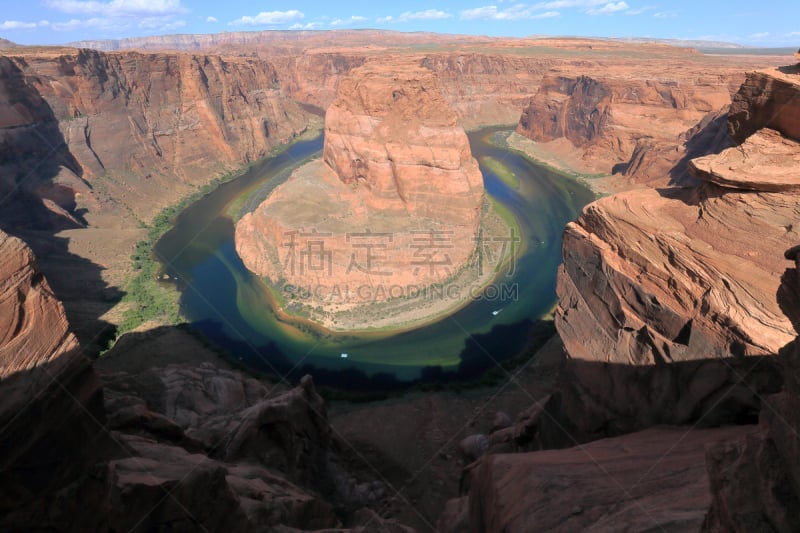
[660, 276]
[767, 99]
[654, 479]
[51, 413]
[613, 120]
[33, 327]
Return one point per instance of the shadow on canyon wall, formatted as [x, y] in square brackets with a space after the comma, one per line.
[597, 400]
[35, 206]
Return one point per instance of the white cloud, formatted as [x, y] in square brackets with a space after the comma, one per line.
[17, 25]
[270, 18]
[212, 19]
[428, 14]
[562, 4]
[517, 12]
[609, 8]
[638, 11]
[76, 24]
[665, 15]
[355, 19]
[307, 26]
[159, 24]
[758, 36]
[119, 8]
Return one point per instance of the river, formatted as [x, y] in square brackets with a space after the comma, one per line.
[234, 309]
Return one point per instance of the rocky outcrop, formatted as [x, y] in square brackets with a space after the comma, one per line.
[51, 413]
[654, 479]
[33, 327]
[661, 276]
[767, 99]
[665, 298]
[614, 121]
[755, 480]
[392, 132]
[766, 161]
[394, 155]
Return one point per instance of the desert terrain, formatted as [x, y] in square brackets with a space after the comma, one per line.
[668, 399]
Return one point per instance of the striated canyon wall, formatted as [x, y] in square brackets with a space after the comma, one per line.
[662, 276]
[676, 307]
[614, 121]
[182, 120]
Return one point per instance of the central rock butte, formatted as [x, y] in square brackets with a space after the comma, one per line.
[394, 206]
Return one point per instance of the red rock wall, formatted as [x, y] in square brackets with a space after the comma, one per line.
[767, 99]
[151, 127]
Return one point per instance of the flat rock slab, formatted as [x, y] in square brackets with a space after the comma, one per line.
[654, 480]
[766, 161]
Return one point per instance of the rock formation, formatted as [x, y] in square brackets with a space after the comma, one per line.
[394, 157]
[33, 327]
[183, 119]
[614, 121]
[654, 479]
[176, 446]
[51, 413]
[659, 289]
[669, 275]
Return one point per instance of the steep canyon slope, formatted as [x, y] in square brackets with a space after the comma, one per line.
[94, 145]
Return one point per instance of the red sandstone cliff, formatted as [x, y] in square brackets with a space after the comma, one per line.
[182, 120]
[33, 327]
[656, 276]
[613, 120]
[659, 289]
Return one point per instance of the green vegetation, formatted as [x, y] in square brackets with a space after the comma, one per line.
[147, 297]
[500, 170]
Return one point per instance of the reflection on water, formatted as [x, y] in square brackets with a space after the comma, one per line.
[234, 309]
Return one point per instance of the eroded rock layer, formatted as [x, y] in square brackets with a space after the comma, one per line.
[183, 120]
[615, 120]
[33, 327]
[655, 276]
[396, 201]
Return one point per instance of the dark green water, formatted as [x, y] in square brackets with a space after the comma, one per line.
[231, 307]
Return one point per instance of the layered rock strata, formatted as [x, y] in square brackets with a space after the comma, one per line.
[654, 276]
[396, 200]
[51, 413]
[615, 121]
[182, 120]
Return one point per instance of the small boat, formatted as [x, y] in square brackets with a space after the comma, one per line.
[496, 311]
[344, 355]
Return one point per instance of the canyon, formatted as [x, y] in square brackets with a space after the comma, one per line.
[669, 398]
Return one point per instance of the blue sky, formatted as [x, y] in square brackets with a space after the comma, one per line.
[764, 23]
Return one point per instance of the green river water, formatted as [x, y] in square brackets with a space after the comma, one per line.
[234, 308]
